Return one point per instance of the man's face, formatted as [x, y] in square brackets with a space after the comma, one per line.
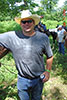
[27, 25]
[60, 28]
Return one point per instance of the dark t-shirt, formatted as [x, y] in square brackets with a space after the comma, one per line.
[27, 51]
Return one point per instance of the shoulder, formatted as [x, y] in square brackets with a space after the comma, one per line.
[63, 30]
[8, 33]
[42, 36]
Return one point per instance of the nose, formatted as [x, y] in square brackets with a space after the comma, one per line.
[26, 23]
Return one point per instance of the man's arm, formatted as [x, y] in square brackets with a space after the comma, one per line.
[65, 33]
[3, 51]
[48, 69]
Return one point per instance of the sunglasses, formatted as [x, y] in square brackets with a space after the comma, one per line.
[26, 21]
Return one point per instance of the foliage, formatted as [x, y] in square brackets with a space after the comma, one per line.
[9, 26]
[54, 15]
[50, 24]
[65, 5]
[10, 8]
[48, 5]
[6, 68]
[50, 11]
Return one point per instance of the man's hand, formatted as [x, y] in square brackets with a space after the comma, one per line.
[47, 76]
[3, 51]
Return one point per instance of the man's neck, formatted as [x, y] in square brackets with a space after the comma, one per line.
[29, 33]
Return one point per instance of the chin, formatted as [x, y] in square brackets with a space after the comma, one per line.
[28, 30]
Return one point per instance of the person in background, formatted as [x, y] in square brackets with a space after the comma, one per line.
[61, 33]
[28, 47]
[41, 27]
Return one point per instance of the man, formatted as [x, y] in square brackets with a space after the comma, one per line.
[61, 33]
[28, 47]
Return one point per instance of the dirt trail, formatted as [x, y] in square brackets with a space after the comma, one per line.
[55, 89]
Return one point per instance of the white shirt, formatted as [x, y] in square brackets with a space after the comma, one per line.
[60, 35]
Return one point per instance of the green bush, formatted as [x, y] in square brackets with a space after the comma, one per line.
[6, 26]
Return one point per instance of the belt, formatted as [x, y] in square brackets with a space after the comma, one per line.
[28, 77]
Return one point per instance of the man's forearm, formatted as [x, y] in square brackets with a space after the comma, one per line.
[49, 63]
[48, 68]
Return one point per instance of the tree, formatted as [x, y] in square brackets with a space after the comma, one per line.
[48, 5]
[8, 8]
[65, 5]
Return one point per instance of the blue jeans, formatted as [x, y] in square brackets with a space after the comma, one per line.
[29, 88]
[61, 48]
